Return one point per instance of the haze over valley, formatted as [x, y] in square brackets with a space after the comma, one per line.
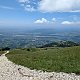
[24, 37]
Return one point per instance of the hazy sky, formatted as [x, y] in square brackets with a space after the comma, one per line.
[29, 12]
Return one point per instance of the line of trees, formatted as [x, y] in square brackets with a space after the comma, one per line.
[61, 44]
[5, 49]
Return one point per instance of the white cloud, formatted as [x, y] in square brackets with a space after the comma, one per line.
[27, 5]
[69, 22]
[6, 7]
[53, 5]
[23, 1]
[54, 19]
[43, 20]
[59, 5]
[29, 8]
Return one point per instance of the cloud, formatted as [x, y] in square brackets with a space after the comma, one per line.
[43, 20]
[29, 8]
[59, 5]
[23, 1]
[52, 5]
[54, 19]
[28, 5]
[6, 7]
[69, 22]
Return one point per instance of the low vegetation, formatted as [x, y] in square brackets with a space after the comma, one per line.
[4, 49]
[1, 52]
[61, 44]
[48, 59]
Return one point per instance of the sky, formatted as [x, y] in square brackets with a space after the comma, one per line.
[39, 12]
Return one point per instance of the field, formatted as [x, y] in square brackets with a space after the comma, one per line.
[48, 59]
[1, 52]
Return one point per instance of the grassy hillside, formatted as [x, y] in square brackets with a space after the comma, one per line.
[48, 59]
[1, 52]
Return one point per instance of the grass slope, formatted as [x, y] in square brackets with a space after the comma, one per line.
[1, 52]
[51, 59]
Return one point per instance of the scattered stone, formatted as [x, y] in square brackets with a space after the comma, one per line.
[11, 71]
